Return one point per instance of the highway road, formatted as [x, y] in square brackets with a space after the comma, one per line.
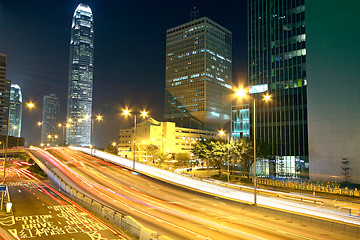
[41, 212]
[170, 210]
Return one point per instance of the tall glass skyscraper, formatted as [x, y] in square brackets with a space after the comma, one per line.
[16, 111]
[50, 129]
[198, 74]
[3, 101]
[277, 61]
[80, 77]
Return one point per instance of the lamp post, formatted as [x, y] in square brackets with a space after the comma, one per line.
[97, 118]
[17, 138]
[63, 125]
[221, 133]
[143, 114]
[241, 93]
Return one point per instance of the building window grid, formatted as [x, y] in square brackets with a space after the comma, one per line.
[265, 117]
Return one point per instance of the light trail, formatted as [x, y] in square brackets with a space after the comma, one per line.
[170, 211]
[228, 193]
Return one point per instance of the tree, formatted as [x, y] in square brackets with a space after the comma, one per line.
[219, 150]
[183, 159]
[160, 157]
[203, 150]
[111, 149]
[152, 151]
[242, 151]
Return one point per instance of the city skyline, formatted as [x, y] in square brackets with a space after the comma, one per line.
[125, 73]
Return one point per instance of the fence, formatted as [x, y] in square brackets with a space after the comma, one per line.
[310, 187]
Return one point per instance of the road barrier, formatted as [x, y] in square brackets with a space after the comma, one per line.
[121, 220]
[314, 187]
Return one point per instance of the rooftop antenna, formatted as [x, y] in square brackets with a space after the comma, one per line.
[194, 14]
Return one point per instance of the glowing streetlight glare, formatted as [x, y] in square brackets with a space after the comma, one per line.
[126, 112]
[221, 132]
[240, 93]
[30, 105]
[143, 113]
[49, 136]
[267, 97]
[15, 127]
[41, 145]
[60, 125]
[114, 144]
[39, 123]
[56, 136]
[67, 125]
[69, 120]
[99, 117]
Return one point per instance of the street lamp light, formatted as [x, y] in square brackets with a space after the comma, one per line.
[143, 114]
[241, 93]
[97, 118]
[30, 105]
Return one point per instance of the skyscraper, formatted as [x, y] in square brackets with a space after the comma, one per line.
[3, 115]
[49, 129]
[16, 111]
[277, 62]
[198, 74]
[79, 104]
[333, 60]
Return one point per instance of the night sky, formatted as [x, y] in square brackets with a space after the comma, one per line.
[129, 50]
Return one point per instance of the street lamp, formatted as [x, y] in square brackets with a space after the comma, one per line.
[63, 125]
[221, 133]
[17, 141]
[241, 93]
[30, 105]
[97, 118]
[143, 114]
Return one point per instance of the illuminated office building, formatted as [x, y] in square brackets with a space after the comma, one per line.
[50, 130]
[198, 74]
[277, 62]
[79, 106]
[16, 111]
[3, 100]
[169, 138]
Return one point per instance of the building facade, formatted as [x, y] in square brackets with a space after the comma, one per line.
[169, 138]
[16, 110]
[240, 125]
[198, 74]
[277, 62]
[333, 72]
[3, 100]
[50, 131]
[79, 106]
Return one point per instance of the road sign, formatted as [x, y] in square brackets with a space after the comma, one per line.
[2, 187]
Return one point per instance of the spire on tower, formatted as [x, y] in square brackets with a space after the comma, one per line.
[194, 14]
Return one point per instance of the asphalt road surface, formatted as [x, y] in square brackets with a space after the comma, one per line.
[41, 212]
